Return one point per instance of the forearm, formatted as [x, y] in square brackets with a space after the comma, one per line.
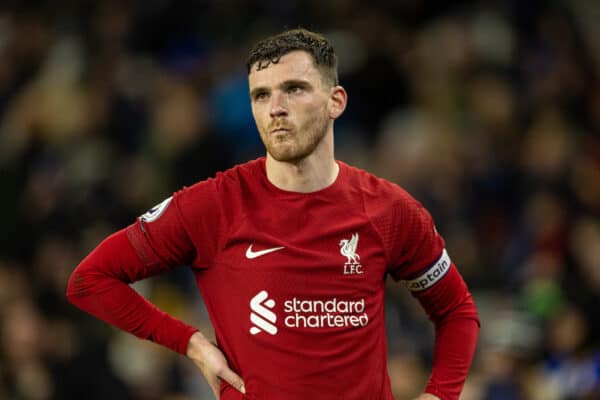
[99, 286]
[452, 310]
[455, 343]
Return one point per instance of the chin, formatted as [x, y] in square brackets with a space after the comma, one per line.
[281, 151]
[286, 155]
[290, 151]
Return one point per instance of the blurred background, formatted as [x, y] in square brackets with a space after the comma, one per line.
[488, 112]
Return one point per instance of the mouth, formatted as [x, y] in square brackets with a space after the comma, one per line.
[279, 131]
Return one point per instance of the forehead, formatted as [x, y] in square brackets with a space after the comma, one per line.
[296, 65]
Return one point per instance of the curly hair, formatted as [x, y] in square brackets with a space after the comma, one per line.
[271, 49]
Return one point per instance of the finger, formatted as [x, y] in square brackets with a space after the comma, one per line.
[216, 390]
[233, 379]
[215, 385]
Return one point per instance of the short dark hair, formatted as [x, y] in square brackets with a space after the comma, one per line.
[271, 49]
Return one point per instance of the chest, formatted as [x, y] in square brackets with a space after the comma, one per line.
[324, 248]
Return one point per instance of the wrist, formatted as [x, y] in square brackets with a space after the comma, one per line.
[428, 396]
[197, 343]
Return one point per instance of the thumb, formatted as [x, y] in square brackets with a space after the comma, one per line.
[233, 379]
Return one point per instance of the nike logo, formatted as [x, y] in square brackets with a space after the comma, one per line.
[254, 254]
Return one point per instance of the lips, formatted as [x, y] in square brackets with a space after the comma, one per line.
[280, 130]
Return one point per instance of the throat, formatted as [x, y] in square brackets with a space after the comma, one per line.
[302, 177]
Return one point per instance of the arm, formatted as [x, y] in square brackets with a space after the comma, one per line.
[417, 256]
[100, 286]
[450, 307]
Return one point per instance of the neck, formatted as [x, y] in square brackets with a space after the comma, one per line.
[310, 174]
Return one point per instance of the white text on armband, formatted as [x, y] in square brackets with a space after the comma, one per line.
[431, 276]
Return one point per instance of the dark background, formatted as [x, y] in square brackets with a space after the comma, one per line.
[488, 112]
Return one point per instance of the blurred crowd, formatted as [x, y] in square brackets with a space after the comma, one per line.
[488, 112]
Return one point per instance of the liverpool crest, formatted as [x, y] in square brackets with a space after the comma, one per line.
[348, 250]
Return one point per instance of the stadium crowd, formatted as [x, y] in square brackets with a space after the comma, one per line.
[488, 112]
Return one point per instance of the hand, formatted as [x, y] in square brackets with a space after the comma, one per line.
[212, 363]
[427, 396]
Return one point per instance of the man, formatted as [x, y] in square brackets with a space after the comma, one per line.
[290, 253]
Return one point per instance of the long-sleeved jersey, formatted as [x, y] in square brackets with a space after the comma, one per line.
[293, 282]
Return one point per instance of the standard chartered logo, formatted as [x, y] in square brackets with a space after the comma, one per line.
[261, 316]
[332, 313]
[305, 313]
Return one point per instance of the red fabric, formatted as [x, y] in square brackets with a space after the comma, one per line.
[211, 225]
[413, 246]
[99, 286]
[450, 307]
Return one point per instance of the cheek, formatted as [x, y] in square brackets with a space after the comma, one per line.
[316, 114]
[313, 110]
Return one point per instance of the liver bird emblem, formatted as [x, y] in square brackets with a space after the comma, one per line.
[348, 249]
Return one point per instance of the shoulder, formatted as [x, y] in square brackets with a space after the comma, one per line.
[232, 179]
[211, 202]
[373, 187]
[389, 207]
[225, 193]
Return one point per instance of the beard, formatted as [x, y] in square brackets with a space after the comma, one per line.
[299, 142]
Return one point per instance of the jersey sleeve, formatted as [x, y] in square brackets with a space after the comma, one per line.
[410, 239]
[164, 237]
[182, 230]
[417, 257]
[100, 286]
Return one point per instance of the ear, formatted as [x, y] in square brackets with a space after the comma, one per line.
[337, 102]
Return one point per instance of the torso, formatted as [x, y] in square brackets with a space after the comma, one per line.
[305, 318]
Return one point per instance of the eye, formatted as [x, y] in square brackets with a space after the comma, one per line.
[294, 89]
[260, 96]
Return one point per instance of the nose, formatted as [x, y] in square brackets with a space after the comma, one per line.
[278, 106]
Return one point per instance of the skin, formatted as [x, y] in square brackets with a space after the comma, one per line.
[294, 109]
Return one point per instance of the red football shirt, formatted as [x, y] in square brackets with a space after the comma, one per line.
[294, 282]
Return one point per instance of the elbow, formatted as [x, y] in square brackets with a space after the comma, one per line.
[75, 286]
[80, 283]
[99, 270]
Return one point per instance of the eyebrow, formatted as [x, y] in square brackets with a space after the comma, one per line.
[295, 82]
[284, 84]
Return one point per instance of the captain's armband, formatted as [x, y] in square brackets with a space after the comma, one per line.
[431, 276]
